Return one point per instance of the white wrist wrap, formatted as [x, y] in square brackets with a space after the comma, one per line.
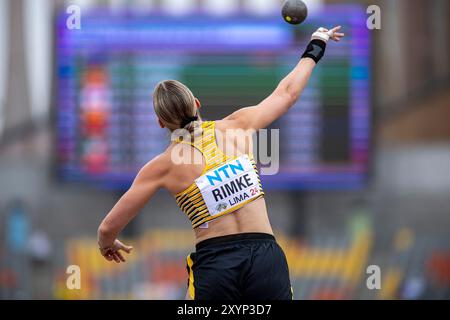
[322, 34]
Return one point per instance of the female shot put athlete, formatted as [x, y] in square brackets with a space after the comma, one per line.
[236, 254]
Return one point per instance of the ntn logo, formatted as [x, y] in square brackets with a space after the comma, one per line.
[226, 171]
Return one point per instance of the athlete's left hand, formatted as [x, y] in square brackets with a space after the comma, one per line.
[113, 252]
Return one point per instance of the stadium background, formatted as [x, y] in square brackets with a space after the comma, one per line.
[386, 202]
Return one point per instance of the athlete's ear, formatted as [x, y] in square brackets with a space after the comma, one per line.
[160, 123]
[197, 103]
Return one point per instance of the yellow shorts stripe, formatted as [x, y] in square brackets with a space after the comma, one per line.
[191, 289]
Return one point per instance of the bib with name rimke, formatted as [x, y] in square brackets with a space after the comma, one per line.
[226, 184]
[229, 186]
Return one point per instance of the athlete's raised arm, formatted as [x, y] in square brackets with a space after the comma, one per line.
[290, 88]
[147, 182]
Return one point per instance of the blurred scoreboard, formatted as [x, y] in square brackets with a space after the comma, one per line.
[106, 71]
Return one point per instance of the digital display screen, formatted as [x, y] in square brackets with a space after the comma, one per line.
[106, 71]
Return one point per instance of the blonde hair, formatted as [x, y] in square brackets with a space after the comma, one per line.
[175, 105]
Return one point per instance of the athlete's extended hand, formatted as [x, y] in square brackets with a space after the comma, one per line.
[325, 34]
[113, 252]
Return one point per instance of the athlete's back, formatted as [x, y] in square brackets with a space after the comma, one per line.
[233, 141]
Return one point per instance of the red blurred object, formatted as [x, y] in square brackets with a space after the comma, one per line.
[94, 122]
[8, 278]
[439, 267]
[95, 75]
[169, 271]
[329, 294]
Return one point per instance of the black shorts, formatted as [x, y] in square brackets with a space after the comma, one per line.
[247, 266]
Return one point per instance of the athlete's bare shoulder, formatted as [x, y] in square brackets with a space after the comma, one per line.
[171, 157]
[156, 168]
[230, 123]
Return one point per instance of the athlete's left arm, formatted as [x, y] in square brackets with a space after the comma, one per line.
[147, 182]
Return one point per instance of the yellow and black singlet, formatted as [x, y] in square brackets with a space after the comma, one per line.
[225, 185]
